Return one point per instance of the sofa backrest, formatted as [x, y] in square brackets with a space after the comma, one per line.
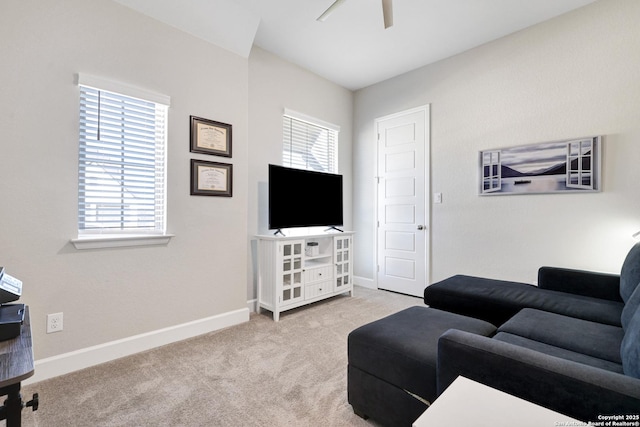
[630, 273]
[630, 348]
[631, 306]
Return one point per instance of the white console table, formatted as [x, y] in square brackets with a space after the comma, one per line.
[297, 270]
[468, 403]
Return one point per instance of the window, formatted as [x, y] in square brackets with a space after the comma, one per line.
[491, 171]
[121, 186]
[309, 143]
[580, 164]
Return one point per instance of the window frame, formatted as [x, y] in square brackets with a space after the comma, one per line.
[581, 153]
[102, 237]
[491, 170]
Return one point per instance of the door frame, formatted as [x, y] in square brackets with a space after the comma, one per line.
[426, 109]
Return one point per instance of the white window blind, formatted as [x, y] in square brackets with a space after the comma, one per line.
[121, 164]
[309, 145]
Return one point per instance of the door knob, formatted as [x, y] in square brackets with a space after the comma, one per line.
[421, 227]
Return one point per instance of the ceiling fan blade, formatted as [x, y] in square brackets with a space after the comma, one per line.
[330, 10]
[387, 13]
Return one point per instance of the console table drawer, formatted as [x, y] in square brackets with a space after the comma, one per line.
[318, 289]
[319, 273]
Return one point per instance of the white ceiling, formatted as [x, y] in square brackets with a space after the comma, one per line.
[352, 48]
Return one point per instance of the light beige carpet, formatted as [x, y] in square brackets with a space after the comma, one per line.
[260, 373]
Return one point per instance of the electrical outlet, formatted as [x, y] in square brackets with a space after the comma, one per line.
[54, 322]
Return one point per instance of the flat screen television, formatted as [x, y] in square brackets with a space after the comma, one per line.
[302, 198]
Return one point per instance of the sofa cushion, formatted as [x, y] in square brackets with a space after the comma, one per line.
[632, 305]
[559, 352]
[630, 273]
[401, 349]
[630, 348]
[496, 301]
[582, 336]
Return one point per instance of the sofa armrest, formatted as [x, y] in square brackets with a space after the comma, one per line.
[580, 282]
[577, 390]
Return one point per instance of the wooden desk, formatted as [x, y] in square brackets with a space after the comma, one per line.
[468, 403]
[16, 364]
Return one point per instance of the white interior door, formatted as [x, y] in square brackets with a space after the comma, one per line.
[402, 211]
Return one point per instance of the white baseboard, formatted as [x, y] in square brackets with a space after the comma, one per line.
[90, 356]
[253, 305]
[364, 282]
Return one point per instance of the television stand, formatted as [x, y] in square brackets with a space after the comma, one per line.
[299, 270]
[279, 231]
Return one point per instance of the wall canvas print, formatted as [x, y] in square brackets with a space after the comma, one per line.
[551, 167]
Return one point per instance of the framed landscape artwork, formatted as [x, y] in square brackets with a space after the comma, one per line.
[552, 167]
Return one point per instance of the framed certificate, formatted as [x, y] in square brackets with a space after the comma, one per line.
[211, 178]
[210, 137]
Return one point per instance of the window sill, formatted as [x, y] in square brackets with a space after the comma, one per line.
[120, 241]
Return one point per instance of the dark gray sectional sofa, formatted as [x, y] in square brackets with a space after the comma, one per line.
[570, 344]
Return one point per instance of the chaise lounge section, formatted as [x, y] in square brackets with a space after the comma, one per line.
[598, 297]
[559, 291]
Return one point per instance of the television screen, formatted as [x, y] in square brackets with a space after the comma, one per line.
[302, 198]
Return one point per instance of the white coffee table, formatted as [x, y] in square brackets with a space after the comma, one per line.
[469, 403]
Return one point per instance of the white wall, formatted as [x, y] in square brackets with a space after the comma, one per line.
[274, 85]
[573, 76]
[112, 294]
